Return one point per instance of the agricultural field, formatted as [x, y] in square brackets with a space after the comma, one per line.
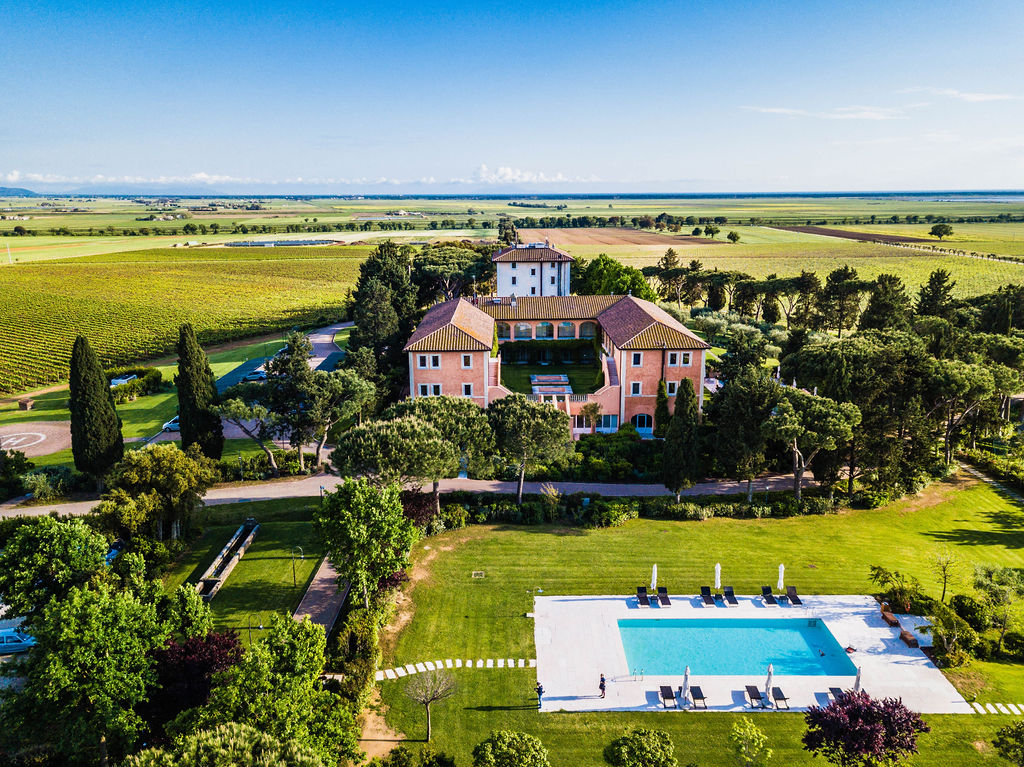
[132, 311]
[762, 251]
[1001, 239]
[489, 619]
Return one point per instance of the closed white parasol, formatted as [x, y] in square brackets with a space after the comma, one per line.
[768, 682]
[856, 684]
[686, 686]
[654, 578]
[782, 577]
[718, 575]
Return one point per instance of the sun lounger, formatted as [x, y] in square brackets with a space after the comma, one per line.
[755, 696]
[641, 596]
[793, 598]
[909, 639]
[698, 696]
[767, 596]
[891, 619]
[706, 600]
[730, 596]
[667, 695]
[779, 697]
[663, 599]
[836, 693]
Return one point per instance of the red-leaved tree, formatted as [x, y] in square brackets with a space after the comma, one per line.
[860, 731]
[184, 673]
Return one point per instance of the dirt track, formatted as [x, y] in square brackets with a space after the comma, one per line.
[848, 235]
[610, 236]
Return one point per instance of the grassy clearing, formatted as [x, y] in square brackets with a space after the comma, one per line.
[1003, 239]
[261, 583]
[456, 615]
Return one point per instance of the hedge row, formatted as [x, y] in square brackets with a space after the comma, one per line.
[1006, 469]
[591, 510]
[149, 381]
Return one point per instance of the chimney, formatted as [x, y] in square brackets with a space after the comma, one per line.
[512, 301]
[547, 242]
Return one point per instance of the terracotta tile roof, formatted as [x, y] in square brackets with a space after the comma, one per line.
[453, 326]
[531, 252]
[548, 307]
[633, 323]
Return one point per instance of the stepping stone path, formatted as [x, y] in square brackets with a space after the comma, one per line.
[999, 708]
[400, 671]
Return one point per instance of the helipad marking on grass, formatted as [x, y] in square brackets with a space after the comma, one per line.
[438, 664]
[1013, 708]
[448, 663]
[429, 665]
[410, 668]
[501, 663]
[401, 671]
[469, 664]
[1002, 709]
[980, 708]
[390, 674]
[521, 663]
[490, 663]
[511, 663]
[991, 708]
[458, 663]
[479, 664]
[420, 667]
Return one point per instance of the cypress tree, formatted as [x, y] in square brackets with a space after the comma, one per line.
[96, 440]
[661, 414]
[197, 397]
[681, 460]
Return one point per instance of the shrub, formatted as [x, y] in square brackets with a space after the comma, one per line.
[977, 614]
[49, 484]
[1013, 643]
[13, 464]
[149, 381]
[641, 748]
[354, 653]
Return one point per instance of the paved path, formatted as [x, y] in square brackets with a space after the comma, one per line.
[433, 665]
[309, 487]
[324, 598]
[323, 343]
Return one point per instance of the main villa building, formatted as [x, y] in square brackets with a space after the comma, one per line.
[457, 348]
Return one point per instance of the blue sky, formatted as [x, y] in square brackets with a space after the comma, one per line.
[513, 96]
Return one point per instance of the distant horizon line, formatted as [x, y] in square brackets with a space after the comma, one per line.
[522, 195]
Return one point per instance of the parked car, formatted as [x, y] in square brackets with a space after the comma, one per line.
[122, 380]
[15, 640]
[259, 374]
[172, 425]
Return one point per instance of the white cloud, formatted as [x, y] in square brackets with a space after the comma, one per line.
[838, 113]
[969, 96]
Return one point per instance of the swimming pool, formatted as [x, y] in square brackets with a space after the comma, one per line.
[733, 647]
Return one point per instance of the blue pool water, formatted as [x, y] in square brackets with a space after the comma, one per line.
[737, 647]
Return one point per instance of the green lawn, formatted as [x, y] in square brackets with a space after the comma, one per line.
[459, 616]
[341, 337]
[584, 379]
[261, 583]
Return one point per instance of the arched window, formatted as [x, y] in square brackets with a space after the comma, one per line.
[642, 421]
[588, 330]
[545, 330]
[566, 330]
[504, 331]
[523, 330]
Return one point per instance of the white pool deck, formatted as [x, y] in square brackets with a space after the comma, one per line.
[577, 639]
